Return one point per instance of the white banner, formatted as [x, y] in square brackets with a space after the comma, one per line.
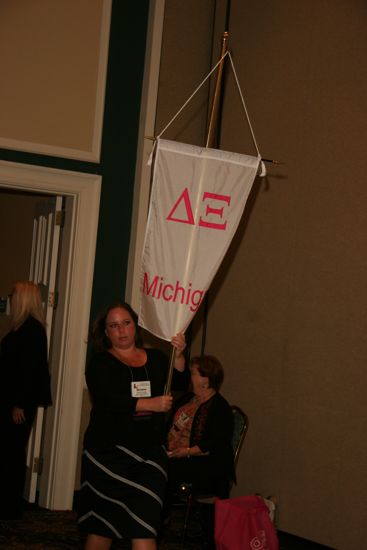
[198, 197]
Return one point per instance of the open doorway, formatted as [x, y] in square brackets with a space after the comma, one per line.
[16, 231]
[81, 194]
[30, 240]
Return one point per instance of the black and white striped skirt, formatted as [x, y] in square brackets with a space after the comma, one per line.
[121, 494]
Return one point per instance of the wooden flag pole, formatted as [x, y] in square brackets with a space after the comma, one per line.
[167, 389]
[212, 141]
[212, 137]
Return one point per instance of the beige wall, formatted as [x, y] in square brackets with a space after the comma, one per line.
[288, 309]
[53, 56]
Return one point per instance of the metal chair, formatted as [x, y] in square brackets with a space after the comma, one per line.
[240, 427]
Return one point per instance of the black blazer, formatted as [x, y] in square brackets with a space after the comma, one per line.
[24, 375]
[212, 430]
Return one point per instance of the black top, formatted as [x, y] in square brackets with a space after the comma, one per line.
[24, 375]
[113, 418]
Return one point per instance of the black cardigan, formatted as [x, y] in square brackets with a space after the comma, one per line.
[24, 375]
[212, 430]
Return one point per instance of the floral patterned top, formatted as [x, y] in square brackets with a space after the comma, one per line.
[179, 434]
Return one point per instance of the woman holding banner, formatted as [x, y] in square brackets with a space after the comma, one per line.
[124, 463]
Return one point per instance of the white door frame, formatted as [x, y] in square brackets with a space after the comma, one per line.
[63, 424]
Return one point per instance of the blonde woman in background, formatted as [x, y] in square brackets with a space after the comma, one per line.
[24, 385]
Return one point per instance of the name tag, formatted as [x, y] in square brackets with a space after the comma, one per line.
[141, 389]
[181, 421]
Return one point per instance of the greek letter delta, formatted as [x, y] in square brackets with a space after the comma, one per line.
[159, 289]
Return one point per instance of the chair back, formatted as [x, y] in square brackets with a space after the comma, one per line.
[240, 426]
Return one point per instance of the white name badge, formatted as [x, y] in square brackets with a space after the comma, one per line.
[141, 389]
[181, 420]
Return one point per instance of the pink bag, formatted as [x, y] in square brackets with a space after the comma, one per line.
[243, 523]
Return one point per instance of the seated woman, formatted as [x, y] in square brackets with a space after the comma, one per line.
[199, 439]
